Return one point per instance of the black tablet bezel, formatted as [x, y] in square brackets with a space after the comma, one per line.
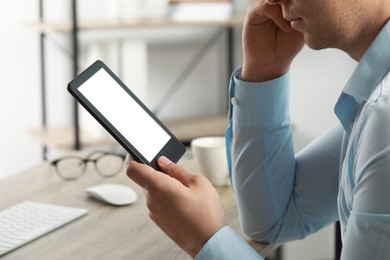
[173, 149]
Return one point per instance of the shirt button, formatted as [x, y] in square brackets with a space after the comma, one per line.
[234, 101]
[351, 125]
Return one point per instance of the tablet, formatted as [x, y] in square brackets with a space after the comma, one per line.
[124, 116]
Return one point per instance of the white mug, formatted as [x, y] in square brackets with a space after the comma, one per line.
[210, 155]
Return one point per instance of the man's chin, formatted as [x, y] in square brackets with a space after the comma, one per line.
[315, 44]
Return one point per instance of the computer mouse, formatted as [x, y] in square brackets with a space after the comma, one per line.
[113, 194]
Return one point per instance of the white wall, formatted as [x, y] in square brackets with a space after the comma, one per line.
[19, 98]
[318, 78]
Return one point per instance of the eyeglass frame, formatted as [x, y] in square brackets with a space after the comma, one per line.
[85, 161]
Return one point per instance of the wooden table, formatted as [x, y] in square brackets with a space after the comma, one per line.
[107, 232]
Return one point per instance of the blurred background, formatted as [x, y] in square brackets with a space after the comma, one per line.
[180, 72]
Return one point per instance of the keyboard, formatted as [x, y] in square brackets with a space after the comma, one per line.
[24, 222]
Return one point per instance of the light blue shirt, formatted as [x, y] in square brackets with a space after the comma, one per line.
[344, 174]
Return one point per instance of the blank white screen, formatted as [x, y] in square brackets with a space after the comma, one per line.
[113, 102]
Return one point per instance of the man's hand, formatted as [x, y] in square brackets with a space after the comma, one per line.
[269, 43]
[183, 204]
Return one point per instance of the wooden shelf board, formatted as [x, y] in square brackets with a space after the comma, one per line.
[66, 27]
[185, 130]
[63, 137]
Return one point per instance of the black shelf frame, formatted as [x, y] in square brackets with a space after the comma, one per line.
[75, 63]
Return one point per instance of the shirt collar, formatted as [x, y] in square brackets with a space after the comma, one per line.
[371, 70]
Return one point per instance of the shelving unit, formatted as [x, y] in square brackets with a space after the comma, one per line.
[73, 137]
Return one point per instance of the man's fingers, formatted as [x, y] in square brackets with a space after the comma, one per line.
[275, 13]
[272, 2]
[176, 171]
[144, 175]
[150, 179]
[262, 12]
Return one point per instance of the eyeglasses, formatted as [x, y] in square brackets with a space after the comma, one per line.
[107, 164]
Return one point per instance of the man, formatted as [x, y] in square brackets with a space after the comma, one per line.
[344, 174]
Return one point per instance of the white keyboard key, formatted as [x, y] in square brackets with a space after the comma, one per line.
[27, 221]
[36, 232]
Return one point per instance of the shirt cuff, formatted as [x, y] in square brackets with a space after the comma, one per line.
[262, 104]
[226, 244]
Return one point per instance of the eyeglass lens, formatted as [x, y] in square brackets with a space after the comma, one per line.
[109, 164]
[71, 168]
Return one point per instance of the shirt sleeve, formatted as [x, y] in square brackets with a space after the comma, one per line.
[280, 196]
[226, 244]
